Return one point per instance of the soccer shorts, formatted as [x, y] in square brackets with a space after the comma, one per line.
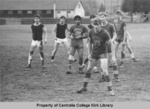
[63, 41]
[101, 56]
[36, 43]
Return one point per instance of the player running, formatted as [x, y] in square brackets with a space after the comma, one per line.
[98, 40]
[109, 27]
[77, 33]
[60, 33]
[122, 36]
[38, 32]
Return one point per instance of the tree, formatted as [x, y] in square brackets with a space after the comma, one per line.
[102, 8]
[92, 6]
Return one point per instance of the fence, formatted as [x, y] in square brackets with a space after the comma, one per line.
[2, 21]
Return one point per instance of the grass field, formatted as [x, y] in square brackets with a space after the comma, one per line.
[19, 84]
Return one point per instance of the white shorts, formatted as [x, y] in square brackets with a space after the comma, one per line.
[63, 41]
[36, 43]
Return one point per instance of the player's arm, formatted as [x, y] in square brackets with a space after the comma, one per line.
[90, 46]
[125, 33]
[45, 34]
[55, 30]
[70, 33]
[114, 33]
[109, 41]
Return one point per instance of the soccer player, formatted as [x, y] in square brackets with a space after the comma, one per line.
[127, 44]
[60, 33]
[77, 33]
[38, 32]
[98, 40]
[122, 35]
[90, 26]
[109, 27]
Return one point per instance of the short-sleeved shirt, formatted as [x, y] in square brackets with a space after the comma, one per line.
[37, 32]
[60, 32]
[99, 41]
[77, 30]
[120, 29]
[110, 28]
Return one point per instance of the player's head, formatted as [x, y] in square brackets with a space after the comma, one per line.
[118, 14]
[97, 24]
[77, 19]
[37, 18]
[62, 19]
[102, 16]
[92, 18]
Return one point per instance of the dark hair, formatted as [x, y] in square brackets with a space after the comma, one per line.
[37, 15]
[118, 12]
[103, 13]
[62, 17]
[77, 17]
[92, 16]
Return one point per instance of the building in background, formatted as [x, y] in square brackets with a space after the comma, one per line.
[46, 8]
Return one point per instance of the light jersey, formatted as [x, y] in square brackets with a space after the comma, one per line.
[99, 41]
[77, 30]
[60, 32]
[119, 26]
[37, 32]
[110, 28]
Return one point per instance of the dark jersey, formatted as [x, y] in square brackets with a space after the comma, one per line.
[37, 32]
[60, 32]
[76, 31]
[99, 41]
[110, 28]
[120, 29]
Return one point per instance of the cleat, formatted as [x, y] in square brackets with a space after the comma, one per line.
[134, 60]
[81, 72]
[81, 90]
[52, 58]
[117, 80]
[102, 79]
[121, 64]
[68, 72]
[112, 93]
[28, 66]
[43, 67]
[74, 60]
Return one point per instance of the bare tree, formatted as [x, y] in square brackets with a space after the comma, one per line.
[91, 6]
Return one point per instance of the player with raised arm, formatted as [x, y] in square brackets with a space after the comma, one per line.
[77, 33]
[38, 32]
[60, 33]
[98, 40]
[109, 27]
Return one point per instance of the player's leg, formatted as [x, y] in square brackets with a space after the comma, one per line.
[56, 46]
[40, 46]
[66, 44]
[80, 54]
[32, 48]
[122, 54]
[91, 64]
[117, 43]
[104, 66]
[71, 59]
[130, 51]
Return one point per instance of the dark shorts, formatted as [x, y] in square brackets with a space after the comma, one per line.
[101, 56]
[119, 40]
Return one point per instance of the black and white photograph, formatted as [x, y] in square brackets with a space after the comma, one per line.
[75, 51]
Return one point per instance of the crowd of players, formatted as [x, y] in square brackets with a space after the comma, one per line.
[103, 40]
